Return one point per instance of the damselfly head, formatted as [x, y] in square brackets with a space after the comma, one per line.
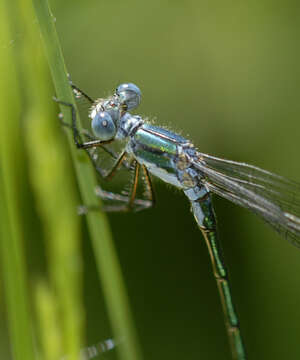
[129, 95]
[103, 126]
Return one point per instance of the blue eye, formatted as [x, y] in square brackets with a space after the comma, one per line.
[103, 126]
[129, 94]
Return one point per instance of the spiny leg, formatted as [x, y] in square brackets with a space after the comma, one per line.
[150, 194]
[134, 185]
[112, 172]
[77, 139]
[79, 92]
[108, 150]
[127, 203]
[84, 209]
[97, 143]
[76, 135]
[88, 135]
[130, 202]
[205, 218]
[127, 206]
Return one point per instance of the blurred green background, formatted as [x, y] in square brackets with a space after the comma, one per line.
[225, 75]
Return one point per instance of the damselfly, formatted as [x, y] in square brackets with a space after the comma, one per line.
[148, 149]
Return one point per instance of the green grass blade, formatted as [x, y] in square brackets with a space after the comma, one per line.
[55, 198]
[51, 336]
[108, 266]
[11, 231]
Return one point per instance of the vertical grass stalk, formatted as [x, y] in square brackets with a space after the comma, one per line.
[107, 263]
[51, 173]
[11, 206]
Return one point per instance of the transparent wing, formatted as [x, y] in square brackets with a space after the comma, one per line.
[274, 198]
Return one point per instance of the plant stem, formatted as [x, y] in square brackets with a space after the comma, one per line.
[106, 258]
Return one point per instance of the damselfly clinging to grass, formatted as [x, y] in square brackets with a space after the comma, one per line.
[149, 149]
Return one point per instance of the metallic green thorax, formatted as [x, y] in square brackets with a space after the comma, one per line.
[151, 137]
[157, 148]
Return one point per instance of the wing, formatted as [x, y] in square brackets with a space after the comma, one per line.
[274, 198]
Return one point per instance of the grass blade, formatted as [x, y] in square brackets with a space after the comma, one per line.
[54, 192]
[107, 263]
[11, 230]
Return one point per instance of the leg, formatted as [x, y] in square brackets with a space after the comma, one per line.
[92, 143]
[79, 93]
[205, 218]
[149, 191]
[130, 202]
[116, 166]
[96, 350]
[126, 202]
[76, 135]
[83, 132]
[90, 137]
[120, 160]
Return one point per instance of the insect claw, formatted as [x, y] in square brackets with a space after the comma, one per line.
[82, 210]
[85, 209]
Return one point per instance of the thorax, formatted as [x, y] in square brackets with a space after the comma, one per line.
[165, 155]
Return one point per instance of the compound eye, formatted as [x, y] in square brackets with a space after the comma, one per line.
[103, 126]
[129, 94]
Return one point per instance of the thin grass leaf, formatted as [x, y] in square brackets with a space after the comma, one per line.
[49, 322]
[55, 197]
[107, 263]
[11, 205]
